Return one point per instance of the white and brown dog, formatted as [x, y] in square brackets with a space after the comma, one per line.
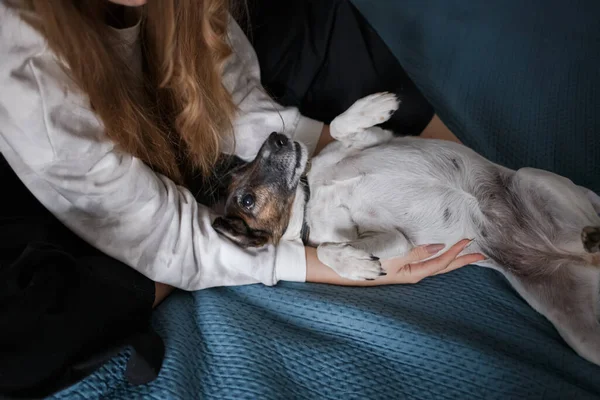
[371, 195]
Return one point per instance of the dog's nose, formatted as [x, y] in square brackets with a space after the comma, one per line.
[277, 140]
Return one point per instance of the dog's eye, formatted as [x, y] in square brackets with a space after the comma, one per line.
[247, 201]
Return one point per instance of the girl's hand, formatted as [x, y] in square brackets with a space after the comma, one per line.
[400, 270]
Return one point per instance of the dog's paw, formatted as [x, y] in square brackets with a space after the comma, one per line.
[349, 262]
[590, 236]
[364, 113]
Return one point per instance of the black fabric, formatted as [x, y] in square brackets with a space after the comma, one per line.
[322, 56]
[65, 307]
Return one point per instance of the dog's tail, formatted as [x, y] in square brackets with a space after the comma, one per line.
[523, 256]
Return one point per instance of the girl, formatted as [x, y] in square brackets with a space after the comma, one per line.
[109, 112]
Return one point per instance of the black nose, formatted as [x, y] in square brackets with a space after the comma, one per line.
[277, 140]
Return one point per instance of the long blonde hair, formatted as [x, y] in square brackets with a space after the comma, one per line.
[175, 115]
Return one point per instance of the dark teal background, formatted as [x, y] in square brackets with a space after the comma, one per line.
[518, 81]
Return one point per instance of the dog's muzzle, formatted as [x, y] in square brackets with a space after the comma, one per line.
[277, 142]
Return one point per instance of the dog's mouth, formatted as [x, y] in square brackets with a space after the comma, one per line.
[282, 161]
[302, 164]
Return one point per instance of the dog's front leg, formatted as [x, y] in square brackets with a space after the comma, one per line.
[383, 244]
[355, 127]
[359, 259]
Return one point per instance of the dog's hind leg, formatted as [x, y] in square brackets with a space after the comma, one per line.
[383, 245]
[355, 127]
[569, 298]
[593, 198]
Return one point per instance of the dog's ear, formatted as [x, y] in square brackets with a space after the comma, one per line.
[236, 230]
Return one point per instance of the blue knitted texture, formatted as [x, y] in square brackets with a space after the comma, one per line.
[465, 335]
[518, 81]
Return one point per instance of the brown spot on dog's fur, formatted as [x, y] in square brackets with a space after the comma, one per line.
[271, 180]
[274, 213]
[269, 215]
[267, 220]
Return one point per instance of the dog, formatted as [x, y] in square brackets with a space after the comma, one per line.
[371, 195]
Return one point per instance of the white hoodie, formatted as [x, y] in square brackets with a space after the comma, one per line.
[58, 148]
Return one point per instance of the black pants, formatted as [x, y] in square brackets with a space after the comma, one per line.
[65, 307]
[322, 56]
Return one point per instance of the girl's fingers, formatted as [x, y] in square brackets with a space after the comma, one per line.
[421, 253]
[411, 268]
[437, 264]
[461, 262]
[445, 259]
[415, 272]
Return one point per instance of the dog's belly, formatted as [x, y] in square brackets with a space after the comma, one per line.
[441, 192]
[424, 214]
[416, 187]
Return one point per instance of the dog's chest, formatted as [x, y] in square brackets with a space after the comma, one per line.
[328, 214]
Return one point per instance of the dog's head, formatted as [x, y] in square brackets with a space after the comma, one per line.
[262, 192]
